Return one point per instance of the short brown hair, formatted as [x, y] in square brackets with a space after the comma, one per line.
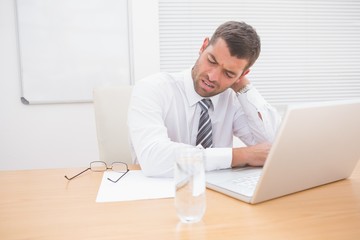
[241, 39]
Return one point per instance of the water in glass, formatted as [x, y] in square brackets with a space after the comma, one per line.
[190, 198]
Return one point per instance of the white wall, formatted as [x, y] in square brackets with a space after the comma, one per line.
[59, 135]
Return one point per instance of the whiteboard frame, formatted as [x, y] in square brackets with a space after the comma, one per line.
[124, 75]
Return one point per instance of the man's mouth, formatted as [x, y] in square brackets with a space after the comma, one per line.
[207, 84]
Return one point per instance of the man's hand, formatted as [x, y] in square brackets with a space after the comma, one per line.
[252, 155]
[240, 83]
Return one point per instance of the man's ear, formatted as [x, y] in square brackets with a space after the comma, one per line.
[204, 45]
[243, 75]
[246, 72]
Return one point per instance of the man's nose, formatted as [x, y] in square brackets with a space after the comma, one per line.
[214, 74]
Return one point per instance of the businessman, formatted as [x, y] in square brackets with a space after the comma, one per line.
[205, 106]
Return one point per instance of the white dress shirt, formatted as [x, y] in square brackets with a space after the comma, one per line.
[164, 115]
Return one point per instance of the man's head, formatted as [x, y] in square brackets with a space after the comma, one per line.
[226, 58]
[242, 40]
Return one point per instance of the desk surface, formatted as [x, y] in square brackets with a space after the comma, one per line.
[42, 204]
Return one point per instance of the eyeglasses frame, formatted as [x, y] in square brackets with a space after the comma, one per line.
[107, 168]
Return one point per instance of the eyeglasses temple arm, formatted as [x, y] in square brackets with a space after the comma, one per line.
[76, 174]
[119, 177]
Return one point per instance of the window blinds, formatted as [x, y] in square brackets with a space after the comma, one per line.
[310, 48]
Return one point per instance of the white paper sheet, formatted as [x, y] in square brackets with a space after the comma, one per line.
[134, 186]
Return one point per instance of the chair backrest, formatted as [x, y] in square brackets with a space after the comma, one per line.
[111, 109]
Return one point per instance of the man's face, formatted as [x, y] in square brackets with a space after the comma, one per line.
[216, 70]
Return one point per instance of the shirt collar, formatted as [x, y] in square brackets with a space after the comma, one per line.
[191, 94]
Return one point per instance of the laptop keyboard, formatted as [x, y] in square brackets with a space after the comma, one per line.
[249, 180]
[241, 181]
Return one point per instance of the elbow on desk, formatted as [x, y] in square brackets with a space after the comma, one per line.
[151, 169]
[155, 160]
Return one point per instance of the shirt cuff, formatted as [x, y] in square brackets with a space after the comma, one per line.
[217, 158]
[253, 97]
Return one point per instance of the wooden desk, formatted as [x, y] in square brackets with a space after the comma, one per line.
[42, 204]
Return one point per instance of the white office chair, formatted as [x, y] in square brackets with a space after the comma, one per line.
[111, 109]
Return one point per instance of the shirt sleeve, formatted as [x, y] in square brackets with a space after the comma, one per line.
[248, 126]
[152, 147]
[259, 129]
[217, 158]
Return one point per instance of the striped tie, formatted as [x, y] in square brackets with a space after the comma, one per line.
[204, 136]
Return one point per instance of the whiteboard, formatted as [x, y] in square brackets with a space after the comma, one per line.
[68, 47]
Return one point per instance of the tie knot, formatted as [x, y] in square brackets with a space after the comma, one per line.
[205, 104]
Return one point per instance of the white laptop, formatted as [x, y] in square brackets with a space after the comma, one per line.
[317, 143]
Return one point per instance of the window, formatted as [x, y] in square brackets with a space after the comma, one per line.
[310, 48]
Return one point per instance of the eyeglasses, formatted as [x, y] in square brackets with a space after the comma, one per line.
[100, 166]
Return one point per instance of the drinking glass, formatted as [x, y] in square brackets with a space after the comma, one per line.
[190, 198]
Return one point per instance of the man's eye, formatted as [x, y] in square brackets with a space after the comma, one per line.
[211, 61]
[229, 75]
